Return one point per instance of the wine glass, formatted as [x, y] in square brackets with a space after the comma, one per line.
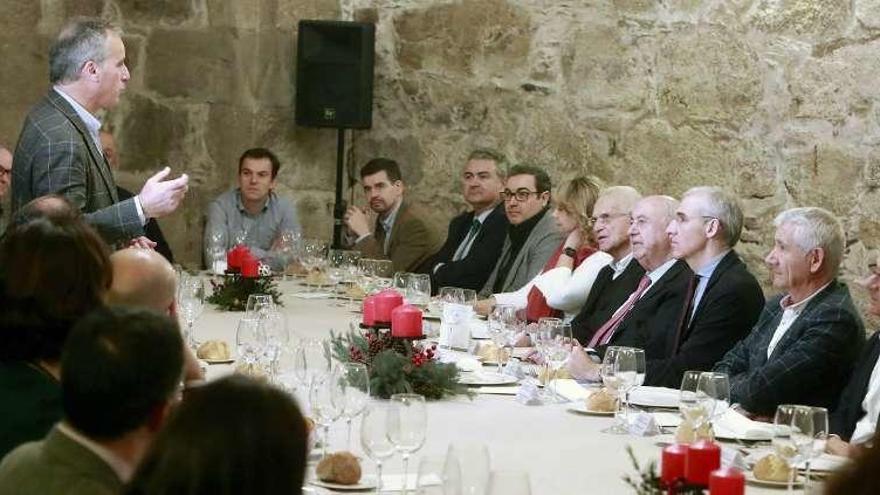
[327, 402]
[258, 305]
[618, 370]
[375, 439]
[783, 441]
[499, 323]
[286, 249]
[473, 464]
[557, 348]
[399, 282]
[248, 343]
[716, 386]
[311, 362]
[820, 439]
[356, 383]
[407, 422]
[418, 287]
[190, 302]
[696, 405]
[641, 369]
[276, 337]
[216, 250]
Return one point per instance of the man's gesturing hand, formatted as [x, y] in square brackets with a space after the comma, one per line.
[161, 197]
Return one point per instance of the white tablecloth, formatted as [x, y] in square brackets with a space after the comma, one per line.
[563, 452]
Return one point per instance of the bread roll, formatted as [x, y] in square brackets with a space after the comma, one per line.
[215, 350]
[771, 468]
[342, 468]
[602, 401]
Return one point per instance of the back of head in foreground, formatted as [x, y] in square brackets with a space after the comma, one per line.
[231, 436]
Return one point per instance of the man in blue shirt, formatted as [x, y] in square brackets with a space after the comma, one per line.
[252, 214]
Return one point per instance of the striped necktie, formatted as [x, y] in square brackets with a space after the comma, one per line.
[465, 245]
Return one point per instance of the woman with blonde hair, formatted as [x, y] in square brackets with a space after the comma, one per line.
[563, 286]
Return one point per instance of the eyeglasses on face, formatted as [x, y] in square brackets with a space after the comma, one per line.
[519, 194]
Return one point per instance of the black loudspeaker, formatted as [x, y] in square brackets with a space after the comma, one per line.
[334, 74]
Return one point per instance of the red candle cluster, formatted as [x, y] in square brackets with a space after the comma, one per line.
[406, 321]
[703, 457]
[368, 306]
[672, 464]
[240, 259]
[385, 302]
[727, 481]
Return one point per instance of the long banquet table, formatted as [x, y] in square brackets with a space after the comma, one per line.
[563, 452]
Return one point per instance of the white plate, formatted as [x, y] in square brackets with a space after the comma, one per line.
[581, 408]
[366, 483]
[646, 396]
[219, 361]
[485, 378]
[750, 478]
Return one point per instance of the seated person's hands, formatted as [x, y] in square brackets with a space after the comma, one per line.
[356, 220]
[838, 446]
[580, 365]
[484, 306]
[522, 340]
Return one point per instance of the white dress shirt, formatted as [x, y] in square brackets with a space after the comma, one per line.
[866, 426]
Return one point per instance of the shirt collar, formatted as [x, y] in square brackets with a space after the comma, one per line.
[240, 205]
[786, 305]
[620, 266]
[706, 271]
[123, 469]
[388, 221]
[484, 215]
[657, 273]
[92, 123]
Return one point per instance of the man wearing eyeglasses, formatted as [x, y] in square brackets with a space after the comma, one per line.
[5, 174]
[475, 238]
[532, 236]
[722, 300]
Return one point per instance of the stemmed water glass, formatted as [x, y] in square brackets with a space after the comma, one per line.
[314, 254]
[716, 386]
[216, 249]
[248, 344]
[501, 324]
[356, 383]
[695, 404]
[375, 439]
[286, 249]
[311, 362]
[792, 432]
[810, 441]
[259, 305]
[327, 403]
[557, 348]
[407, 424]
[275, 336]
[418, 289]
[191, 302]
[618, 371]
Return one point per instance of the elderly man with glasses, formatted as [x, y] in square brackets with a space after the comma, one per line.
[532, 235]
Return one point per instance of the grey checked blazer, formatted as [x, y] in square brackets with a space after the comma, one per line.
[56, 155]
[538, 248]
[811, 363]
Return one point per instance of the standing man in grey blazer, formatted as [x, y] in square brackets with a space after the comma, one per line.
[59, 149]
[532, 235]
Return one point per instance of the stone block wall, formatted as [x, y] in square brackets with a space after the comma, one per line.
[774, 99]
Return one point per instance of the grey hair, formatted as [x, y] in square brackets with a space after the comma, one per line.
[816, 228]
[670, 205]
[624, 197]
[81, 40]
[493, 155]
[722, 206]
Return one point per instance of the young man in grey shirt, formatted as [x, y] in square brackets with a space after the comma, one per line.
[252, 212]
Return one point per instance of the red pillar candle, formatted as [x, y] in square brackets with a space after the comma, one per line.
[727, 481]
[386, 301]
[250, 267]
[233, 260]
[406, 321]
[672, 463]
[369, 309]
[703, 458]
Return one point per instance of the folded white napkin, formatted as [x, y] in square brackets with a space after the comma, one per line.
[654, 397]
[468, 364]
[492, 390]
[570, 389]
[733, 425]
[826, 462]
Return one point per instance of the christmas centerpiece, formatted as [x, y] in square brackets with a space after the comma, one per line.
[244, 276]
[398, 365]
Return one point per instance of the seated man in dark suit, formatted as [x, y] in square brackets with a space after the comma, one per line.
[642, 320]
[723, 298]
[120, 375]
[151, 228]
[532, 236]
[615, 282]
[807, 339]
[853, 422]
[473, 243]
[401, 233]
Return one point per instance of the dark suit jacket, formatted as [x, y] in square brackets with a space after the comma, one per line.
[412, 241]
[729, 308]
[605, 297]
[151, 229]
[653, 316]
[472, 271]
[57, 464]
[849, 408]
[56, 155]
[811, 363]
